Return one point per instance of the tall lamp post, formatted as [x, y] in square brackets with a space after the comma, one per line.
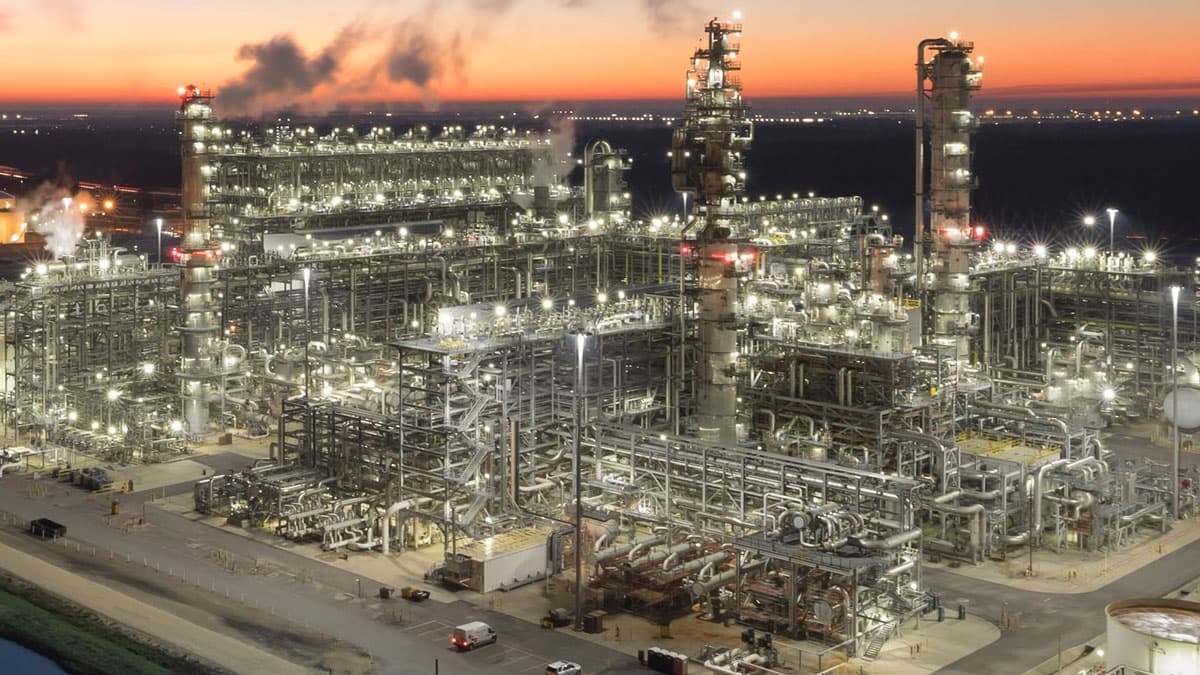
[158, 224]
[1112, 223]
[580, 345]
[1174, 402]
[307, 274]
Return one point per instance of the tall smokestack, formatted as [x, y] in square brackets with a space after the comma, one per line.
[198, 325]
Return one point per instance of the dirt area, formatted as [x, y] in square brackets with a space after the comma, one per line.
[199, 617]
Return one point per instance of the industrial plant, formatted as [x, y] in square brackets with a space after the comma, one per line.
[769, 412]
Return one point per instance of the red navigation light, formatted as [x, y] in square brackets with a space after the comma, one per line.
[980, 232]
[685, 249]
[750, 256]
[175, 253]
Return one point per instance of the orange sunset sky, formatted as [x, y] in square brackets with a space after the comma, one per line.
[140, 50]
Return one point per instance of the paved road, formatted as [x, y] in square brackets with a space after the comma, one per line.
[325, 600]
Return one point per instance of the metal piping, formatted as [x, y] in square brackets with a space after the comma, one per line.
[891, 542]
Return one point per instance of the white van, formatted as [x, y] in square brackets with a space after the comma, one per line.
[563, 668]
[472, 635]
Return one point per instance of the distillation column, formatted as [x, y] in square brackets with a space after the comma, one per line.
[953, 76]
[198, 326]
[708, 152]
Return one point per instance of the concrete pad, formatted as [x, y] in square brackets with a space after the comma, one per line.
[930, 647]
[1073, 571]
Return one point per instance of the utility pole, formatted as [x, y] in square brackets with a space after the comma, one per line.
[580, 343]
[1029, 572]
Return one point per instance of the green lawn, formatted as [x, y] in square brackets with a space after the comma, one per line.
[78, 640]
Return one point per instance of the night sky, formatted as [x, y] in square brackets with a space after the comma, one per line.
[266, 52]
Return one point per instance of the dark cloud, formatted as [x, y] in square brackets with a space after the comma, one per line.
[281, 69]
[668, 15]
[418, 58]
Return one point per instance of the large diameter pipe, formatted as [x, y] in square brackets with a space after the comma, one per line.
[891, 542]
[702, 588]
[1038, 485]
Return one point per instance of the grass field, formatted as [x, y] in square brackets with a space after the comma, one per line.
[79, 640]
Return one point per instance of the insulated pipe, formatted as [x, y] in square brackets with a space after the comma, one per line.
[6, 467]
[977, 513]
[902, 567]
[645, 543]
[891, 542]
[669, 556]
[702, 588]
[698, 563]
[611, 528]
[1142, 513]
[1015, 539]
[393, 510]
[1026, 415]
[948, 497]
[1038, 484]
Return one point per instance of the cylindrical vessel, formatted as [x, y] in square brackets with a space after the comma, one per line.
[1154, 635]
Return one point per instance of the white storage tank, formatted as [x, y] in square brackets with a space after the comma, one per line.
[1155, 635]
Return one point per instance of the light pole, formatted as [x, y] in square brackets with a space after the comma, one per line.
[158, 224]
[1112, 222]
[1174, 402]
[580, 344]
[307, 274]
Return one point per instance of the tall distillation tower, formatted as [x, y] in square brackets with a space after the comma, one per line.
[198, 326]
[708, 153]
[952, 76]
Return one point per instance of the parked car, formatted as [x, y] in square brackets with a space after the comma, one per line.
[418, 595]
[472, 635]
[564, 668]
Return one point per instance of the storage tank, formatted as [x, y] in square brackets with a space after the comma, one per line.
[1158, 636]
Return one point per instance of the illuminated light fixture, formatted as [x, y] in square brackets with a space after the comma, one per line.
[1109, 394]
[1149, 256]
[1089, 220]
[113, 394]
[547, 304]
[500, 310]
[148, 368]
[1039, 250]
[602, 298]
[1089, 252]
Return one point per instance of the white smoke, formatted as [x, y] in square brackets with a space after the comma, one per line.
[554, 162]
[54, 212]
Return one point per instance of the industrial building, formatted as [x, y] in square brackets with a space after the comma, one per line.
[768, 408]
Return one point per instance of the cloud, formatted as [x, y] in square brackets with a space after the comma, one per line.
[280, 70]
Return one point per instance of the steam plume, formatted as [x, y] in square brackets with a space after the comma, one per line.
[555, 162]
[54, 213]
